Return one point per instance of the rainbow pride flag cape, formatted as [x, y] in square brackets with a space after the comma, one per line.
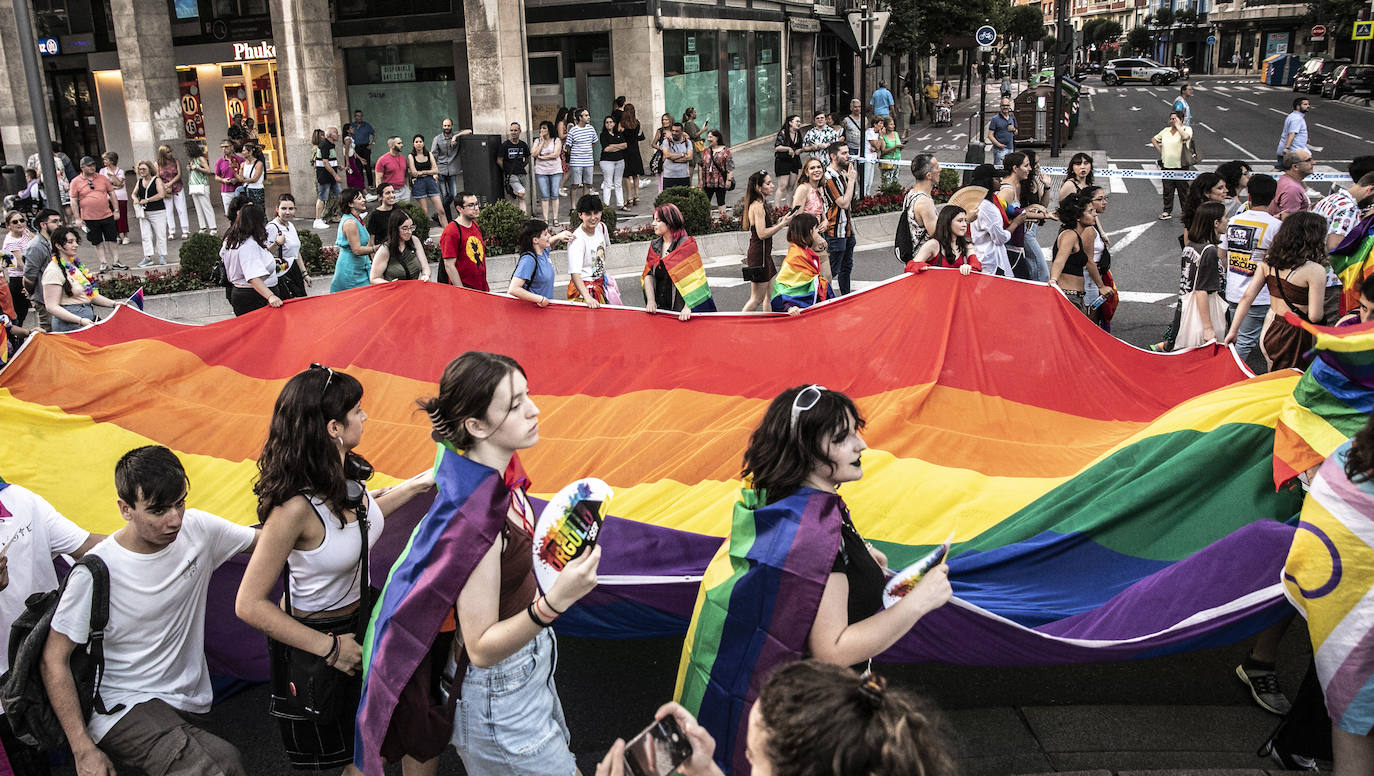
[799, 283]
[757, 602]
[1089, 442]
[1327, 578]
[1351, 262]
[687, 272]
[461, 525]
[1331, 401]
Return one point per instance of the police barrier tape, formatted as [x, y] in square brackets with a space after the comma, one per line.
[1168, 175]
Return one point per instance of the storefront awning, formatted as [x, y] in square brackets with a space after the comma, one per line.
[841, 31]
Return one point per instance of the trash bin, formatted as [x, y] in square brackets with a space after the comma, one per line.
[11, 179]
[1280, 69]
[975, 153]
[481, 176]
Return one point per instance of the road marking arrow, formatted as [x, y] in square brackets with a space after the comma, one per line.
[1222, 109]
[1129, 234]
[1135, 107]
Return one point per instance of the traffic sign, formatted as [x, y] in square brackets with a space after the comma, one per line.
[877, 21]
[1211, 40]
[48, 47]
[1319, 30]
[1362, 31]
[986, 35]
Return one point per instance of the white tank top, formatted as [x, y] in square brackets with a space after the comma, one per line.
[326, 577]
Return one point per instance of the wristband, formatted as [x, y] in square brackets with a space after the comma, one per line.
[333, 655]
[530, 611]
[545, 599]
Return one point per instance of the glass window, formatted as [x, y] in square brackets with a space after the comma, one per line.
[737, 81]
[691, 81]
[379, 9]
[767, 83]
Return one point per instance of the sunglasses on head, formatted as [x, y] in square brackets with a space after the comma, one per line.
[805, 399]
[327, 380]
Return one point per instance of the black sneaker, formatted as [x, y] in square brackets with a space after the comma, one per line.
[117, 265]
[1264, 688]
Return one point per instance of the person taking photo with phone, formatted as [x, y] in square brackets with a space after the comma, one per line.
[792, 539]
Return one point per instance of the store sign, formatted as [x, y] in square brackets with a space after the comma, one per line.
[691, 63]
[48, 47]
[192, 111]
[397, 73]
[804, 24]
[247, 51]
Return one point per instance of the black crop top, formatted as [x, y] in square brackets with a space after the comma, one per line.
[1077, 262]
[866, 579]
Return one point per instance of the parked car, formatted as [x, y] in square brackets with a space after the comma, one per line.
[1314, 73]
[1083, 69]
[1349, 79]
[1130, 69]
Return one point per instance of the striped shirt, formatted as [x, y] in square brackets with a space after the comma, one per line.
[580, 142]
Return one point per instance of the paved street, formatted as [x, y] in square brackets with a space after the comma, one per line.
[1187, 712]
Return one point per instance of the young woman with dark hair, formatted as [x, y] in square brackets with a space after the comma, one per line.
[804, 279]
[1206, 187]
[1293, 271]
[1077, 223]
[1035, 190]
[474, 547]
[69, 289]
[949, 246]
[532, 279]
[1080, 175]
[757, 219]
[424, 177]
[1202, 280]
[402, 256]
[1236, 175]
[806, 446]
[251, 267]
[633, 134]
[787, 158]
[674, 277]
[311, 527]
[352, 240]
[1098, 199]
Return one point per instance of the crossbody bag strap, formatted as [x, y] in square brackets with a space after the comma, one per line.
[364, 577]
[100, 617]
[1284, 295]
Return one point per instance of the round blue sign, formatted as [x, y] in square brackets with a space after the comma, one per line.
[986, 35]
[1211, 40]
[48, 47]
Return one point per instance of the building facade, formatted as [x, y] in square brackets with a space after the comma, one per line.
[129, 75]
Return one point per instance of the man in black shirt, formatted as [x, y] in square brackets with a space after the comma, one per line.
[515, 153]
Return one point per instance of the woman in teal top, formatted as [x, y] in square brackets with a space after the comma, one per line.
[351, 270]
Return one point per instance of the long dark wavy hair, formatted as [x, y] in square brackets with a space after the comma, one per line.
[1301, 238]
[299, 455]
[779, 457]
[1359, 466]
[951, 246]
[465, 391]
[249, 224]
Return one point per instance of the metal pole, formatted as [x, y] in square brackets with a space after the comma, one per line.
[1062, 18]
[863, 88]
[982, 92]
[28, 52]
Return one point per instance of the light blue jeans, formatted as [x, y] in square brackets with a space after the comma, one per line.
[1248, 335]
[509, 721]
[1035, 255]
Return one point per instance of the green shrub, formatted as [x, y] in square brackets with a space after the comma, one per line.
[949, 181]
[418, 215]
[311, 249]
[500, 222]
[695, 207]
[199, 254]
[893, 189]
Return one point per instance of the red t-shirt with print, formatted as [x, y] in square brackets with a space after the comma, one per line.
[465, 245]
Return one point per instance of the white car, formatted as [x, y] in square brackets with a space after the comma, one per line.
[1129, 69]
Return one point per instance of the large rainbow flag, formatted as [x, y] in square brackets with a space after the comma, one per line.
[1037, 438]
[1331, 401]
[1351, 262]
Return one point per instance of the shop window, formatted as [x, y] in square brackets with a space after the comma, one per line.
[402, 90]
[689, 64]
[767, 82]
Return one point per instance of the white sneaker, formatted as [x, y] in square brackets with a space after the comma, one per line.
[319, 224]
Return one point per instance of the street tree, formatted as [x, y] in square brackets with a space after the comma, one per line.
[1187, 17]
[1164, 17]
[917, 29]
[1337, 14]
[1138, 41]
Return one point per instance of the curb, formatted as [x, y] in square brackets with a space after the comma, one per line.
[622, 259]
[1359, 102]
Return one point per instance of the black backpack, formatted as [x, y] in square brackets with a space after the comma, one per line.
[21, 688]
[902, 244]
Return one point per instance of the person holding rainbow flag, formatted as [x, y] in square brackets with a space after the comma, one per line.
[804, 279]
[674, 277]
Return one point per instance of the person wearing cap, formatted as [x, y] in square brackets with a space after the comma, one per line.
[94, 205]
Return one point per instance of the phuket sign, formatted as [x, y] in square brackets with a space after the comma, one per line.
[246, 51]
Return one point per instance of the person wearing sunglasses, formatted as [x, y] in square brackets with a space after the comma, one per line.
[315, 514]
[792, 540]
[94, 204]
[1098, 199]
[17, 238]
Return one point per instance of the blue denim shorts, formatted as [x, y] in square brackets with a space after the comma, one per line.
[327, 191]
[424, 186]
[509, 721]
[548, 185]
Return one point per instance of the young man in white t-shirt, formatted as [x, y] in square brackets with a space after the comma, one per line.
[1249, 234]
[160, 566]
[587, 253]
[34, 532]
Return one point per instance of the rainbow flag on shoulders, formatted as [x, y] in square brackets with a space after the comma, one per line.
[1331, 401]
[1351, 262]
[687, 272]
[422, 588]
[799, 283]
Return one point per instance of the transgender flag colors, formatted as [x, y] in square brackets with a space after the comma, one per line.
[1028, 446]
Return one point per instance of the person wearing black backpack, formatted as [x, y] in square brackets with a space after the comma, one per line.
[155, 678]
[318, 524]
[33, 532]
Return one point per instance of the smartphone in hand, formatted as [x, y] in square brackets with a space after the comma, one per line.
[658, 750]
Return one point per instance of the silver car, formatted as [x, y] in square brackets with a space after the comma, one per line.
[1141, 69]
